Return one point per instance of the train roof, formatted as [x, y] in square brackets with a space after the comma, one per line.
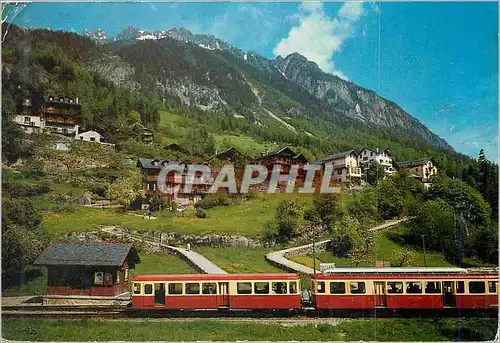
[404, 273]
[392, 270]
[216, 277]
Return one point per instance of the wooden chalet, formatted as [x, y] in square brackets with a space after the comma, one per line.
[175, 147]
[285, 157]
[88, 270]
[150, 170]
[38, 112]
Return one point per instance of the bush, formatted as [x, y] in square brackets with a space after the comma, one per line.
[99, 189]
[200, 213]
[156, 203]
[19, 190]
[213, 200]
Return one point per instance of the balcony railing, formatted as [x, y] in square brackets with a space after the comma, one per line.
[356, 171]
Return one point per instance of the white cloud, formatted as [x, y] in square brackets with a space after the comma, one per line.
[351, 11]
[318, 37]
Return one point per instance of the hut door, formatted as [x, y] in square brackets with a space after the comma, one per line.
[380, 296]
[448, 294]
[159, 294]
[223, 295]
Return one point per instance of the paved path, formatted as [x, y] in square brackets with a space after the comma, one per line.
[196, 260]
[280, 260]
[387, 224]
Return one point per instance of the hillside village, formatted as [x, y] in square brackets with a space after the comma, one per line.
[60, 116]
[91, 122]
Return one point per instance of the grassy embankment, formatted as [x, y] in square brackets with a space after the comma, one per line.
[384, 245]
[369, 329]
[247, 219]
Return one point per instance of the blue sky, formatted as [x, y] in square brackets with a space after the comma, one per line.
[438, 61]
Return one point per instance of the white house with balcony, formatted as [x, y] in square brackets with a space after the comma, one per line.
[345, 166]
[368, 157]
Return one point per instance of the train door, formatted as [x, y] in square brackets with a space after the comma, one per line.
[223, 295]
[159, 294]
[448, 294]
[380, 295]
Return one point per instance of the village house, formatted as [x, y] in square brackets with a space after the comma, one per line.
[175, 147]
[147, 135]
[421, 169]
[46, 113]
[345, 167]
[150, 170]
[285, 157]
[368, 157]
[92, 136]
[229, 155]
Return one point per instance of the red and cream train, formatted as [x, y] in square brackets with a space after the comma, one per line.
[334, 289]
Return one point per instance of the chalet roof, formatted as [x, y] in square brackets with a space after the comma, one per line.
[152, 163]
[94, 254]
[60, 100]
[90, 133]
[175, 147]
[285, 150]
[228, 152]
[335, 156]
[412, 163]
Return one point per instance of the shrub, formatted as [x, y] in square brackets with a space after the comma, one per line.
[19, 190]
[213, 200]
[99, 189]
[156, 204]
[200, 213]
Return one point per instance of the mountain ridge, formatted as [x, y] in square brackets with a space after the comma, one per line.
[342, 96]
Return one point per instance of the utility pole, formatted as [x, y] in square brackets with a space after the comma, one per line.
[314, 248]
[423, 243]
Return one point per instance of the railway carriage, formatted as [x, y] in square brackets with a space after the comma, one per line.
[404, 288]
[210, 291]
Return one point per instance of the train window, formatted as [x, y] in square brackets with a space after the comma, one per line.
[320, 287]
[193, 288]
[433, 287]
[337, 287]
[261, 288]
[209, 288]
[358, 287]
[175, 288]
[279, 287]
[244, 288]
[460, 287]
[476, 287]
[293, 287]
[137, 288]
[413, 287]
[492, 286]
[148, 289]
[395, 287]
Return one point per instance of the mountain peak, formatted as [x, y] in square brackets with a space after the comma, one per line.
[98, 35]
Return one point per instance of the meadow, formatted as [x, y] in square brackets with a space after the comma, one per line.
[366, 329]
[246, 219]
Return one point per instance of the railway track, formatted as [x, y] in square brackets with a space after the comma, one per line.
[302, 315]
